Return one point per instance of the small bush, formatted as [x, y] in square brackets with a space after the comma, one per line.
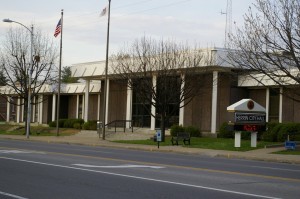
[60, 123]
[90, 125]
[52, 124]
[193, 131]
[77, 126]
[176, 129]
[225, 132]
[69, 123]
[288, 129]
[278, 132]
[269, 135]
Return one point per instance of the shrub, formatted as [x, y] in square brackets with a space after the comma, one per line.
[77, 126]
[90, 125]
[60, 123]
[225, 131]
[52, 124]
[269, 135]
[69, 123]
[193, 131]
[291, 129]
[278, 132]
[176, 129]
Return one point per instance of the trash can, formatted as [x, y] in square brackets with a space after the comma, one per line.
[99, 127]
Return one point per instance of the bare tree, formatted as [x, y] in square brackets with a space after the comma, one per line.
[268, 44]
[174, 69]
[15, 62]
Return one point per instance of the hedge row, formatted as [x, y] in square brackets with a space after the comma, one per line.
[280, 132]
[193, 131]
[68, 123]
[276, 132]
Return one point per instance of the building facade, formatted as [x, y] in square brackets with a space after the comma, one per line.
[222, 86]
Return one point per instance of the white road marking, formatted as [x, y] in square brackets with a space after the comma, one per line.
[13, 151]
[11, 195]
[142, 178]
[274, 168]
[119, 166]
[18, 151]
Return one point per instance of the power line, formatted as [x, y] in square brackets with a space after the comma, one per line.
[132, 13]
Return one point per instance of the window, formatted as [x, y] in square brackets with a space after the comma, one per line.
[274, 105]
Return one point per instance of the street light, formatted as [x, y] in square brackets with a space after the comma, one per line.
[30, 73]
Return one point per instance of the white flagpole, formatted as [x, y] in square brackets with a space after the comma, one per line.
[106, 69]
[59, 75]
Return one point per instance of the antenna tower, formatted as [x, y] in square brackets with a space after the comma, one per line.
[228, 26]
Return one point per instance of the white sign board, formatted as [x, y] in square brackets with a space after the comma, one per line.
[158, 136]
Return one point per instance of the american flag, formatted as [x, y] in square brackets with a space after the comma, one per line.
[57, 29]
[103, 12]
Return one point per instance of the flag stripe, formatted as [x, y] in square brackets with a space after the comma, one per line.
[57, 29]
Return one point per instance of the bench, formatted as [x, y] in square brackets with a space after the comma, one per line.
[185, 137]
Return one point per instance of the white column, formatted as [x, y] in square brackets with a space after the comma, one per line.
[280, 104]
[77, 106]
[253, 139]
[86, 104]
[8, 109]
[83, 107]
[22, 108]
[98, 110]
[267, 104]
[18, 110]
[33, 109]
[107, 100]
[181, 110]
[237, 139]
[40, 113]
[214, 102]
[129, 106]
[53, 107]
[153, 109]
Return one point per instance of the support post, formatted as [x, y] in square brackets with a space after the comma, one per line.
[237, 139]
[8, 109]
[53, 106]
[214, 103]
[18, 110]
[253, 139]
[153, 109]
[86, 104]
[129, 106]
[181, 110]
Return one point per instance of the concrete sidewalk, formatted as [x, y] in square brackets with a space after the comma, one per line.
[91, 138]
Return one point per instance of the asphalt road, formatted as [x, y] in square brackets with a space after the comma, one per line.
[37, 170]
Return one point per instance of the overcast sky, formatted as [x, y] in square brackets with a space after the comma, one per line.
[84, 33]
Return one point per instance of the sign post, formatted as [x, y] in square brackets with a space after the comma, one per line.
[158, 137]
[247, 115]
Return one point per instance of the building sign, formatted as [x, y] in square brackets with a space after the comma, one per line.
[249, 127]
[249, 118]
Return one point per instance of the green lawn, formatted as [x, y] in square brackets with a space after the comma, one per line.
[288, 152]
[205, 143]
[6, 129]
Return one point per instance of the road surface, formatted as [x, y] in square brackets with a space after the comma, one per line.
[36, 170]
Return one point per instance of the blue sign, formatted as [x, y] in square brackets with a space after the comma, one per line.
[158, 136]
[290, 145]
